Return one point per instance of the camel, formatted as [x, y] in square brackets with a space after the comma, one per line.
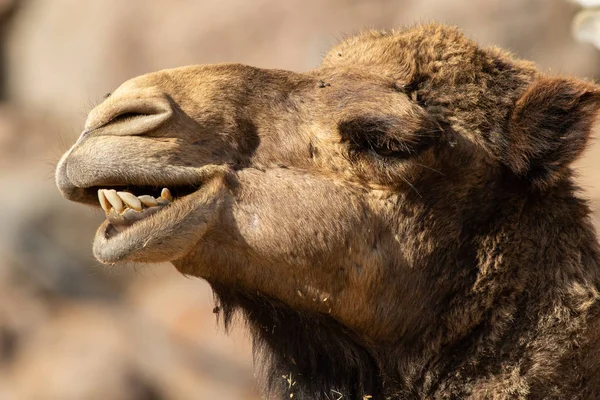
[401, 222]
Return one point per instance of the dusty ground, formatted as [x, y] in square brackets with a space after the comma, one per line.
[72, 329]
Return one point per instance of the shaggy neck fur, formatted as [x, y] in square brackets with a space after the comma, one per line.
[307, 355]
[518, 324]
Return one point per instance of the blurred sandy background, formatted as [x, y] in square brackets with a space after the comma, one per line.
[73, 329]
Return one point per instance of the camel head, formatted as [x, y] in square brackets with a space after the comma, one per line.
[359, 193]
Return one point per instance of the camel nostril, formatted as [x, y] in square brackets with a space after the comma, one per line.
[129, 116]
[126, 116]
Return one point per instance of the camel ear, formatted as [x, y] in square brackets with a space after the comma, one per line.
[549, 128]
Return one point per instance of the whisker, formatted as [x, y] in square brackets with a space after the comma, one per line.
[410, 184]
[431, 169]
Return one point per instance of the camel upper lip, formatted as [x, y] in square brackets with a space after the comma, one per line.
[87, 193]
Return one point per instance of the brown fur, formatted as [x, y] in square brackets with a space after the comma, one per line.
[400, 222]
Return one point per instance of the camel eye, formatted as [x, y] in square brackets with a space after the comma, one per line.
[389, 153]
[380, 135]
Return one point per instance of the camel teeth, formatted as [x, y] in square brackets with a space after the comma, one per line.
[130, 200]
[114, 199]
[166, 194]
[148, 201]
[105, 204]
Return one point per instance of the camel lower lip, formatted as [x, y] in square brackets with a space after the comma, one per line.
[117, 242]
[111, 230]
[126, 219]
[113, 240]
[127, 224]
[139, 227]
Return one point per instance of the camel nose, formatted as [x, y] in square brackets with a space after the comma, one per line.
[135, 113]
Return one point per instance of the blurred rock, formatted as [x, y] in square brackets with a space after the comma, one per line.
[587, 3]
[106, 352]
[586, 27]
[82, 50]
[7, 9]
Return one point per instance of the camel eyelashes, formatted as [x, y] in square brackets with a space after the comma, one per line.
[383, 136]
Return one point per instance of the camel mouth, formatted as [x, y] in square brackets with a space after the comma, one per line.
[147, 218]
[154, 223]
[124, 206]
